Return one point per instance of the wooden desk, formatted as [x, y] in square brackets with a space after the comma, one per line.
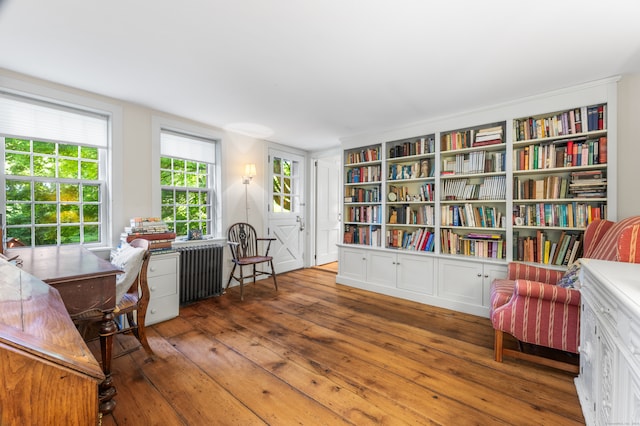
[85, 282]
[47, 373]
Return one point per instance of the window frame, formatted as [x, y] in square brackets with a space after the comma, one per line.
[112, 197]
[160, 124]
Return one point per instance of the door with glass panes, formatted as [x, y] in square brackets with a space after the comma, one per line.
[286, 221]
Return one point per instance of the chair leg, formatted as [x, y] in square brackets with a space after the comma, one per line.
[273, 275]
[241, 283]
[141, 334]
[498, 345]
[231, 276]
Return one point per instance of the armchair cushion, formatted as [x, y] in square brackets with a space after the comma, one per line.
[571, 279]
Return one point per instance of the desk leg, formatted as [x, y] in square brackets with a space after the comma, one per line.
[107, 390]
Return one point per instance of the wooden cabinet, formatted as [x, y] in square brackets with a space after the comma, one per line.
[163, 276]
[47, 373]
[609, 381]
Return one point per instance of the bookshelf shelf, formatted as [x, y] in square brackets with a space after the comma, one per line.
[536, 211]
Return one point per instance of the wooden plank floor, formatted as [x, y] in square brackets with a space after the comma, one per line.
[318, 353]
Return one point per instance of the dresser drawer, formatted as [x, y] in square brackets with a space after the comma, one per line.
[162, 309]
[163, 285]
[159, 265]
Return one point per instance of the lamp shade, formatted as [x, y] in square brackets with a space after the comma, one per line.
[250, 170]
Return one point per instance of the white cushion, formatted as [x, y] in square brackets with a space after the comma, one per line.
[129, 259]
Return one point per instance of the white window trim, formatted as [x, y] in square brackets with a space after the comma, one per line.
[114, 197]
[157, 125]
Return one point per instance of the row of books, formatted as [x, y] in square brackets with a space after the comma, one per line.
[541, 249]
[363, 214]
[362, 195]
[401, 193]
[365, 235]
[419, 240]
[419, 169]
[417, 147]
[474, 162]
[146, 225]
[569, 215]
[561, 154]
[469, 215]
[570, 122]
[548, 188]
[471, 138]
[362, 156]
[470, 245]
[153, 229]
[588, 184]
[364, 174]
[406, 215]
[492, 188]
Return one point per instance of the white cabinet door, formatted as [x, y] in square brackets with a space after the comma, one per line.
[491, 272]
[415, 273]
[460, 281]
[352, 263]
[381, 268]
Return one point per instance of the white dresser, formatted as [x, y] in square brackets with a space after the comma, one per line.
[163, 276]
[609, 381]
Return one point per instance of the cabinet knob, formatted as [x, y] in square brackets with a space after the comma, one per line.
[152, 288]
[486, 275]
[479, 275]
[153, 311]
[151, 268]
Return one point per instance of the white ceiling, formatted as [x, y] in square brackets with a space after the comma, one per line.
[316, 71]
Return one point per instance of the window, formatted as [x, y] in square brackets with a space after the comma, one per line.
[286, 185]
[53, 172]
[188, 182]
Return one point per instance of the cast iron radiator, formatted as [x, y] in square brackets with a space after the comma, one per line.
[200, 272]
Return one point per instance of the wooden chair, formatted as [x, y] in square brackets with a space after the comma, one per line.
[134, 300]
[243, 243]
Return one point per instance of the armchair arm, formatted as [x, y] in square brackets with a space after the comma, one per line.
[543, 291]
[522, 271]
[629, 244]
[269, 239]
[233, 246]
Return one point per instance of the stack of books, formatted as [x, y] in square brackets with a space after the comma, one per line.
[153, 229]
[588, 184]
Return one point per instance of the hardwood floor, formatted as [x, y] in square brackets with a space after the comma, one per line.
[316, 352]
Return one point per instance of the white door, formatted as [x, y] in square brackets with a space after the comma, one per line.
[286, 210]
[327, 209]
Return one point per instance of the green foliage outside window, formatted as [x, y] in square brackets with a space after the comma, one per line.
[52, 192]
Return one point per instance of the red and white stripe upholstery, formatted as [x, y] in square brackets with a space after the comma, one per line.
[532, 308]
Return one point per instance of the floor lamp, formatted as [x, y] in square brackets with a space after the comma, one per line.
[249, 173]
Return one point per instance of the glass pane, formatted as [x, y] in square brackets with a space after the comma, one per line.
[18, 214]
[165, 163]
[286, 168]
[91, 193]
[40, 147]
[17, 164]
[13, 144]
[194, 197]
[45, 213]
[181, 197]
[202, 181]
[89, 170]
[68, 168]
[181, 228]
[69, 213]
[91, 213]
[287, 186]
[276, 166]
[69, 234]
[18, 191]
[91, 233]
[68, 150]
[44, 166]
[287, 204]
[22, 234]
[194, 212]
[167, 213]
[46, 236]
[178, 179]
[165, 178]
[191, 166]
[192, 180]
[204, 198]
[178, 165]
[69, 192]
[167, 196]
[45, 191]
[89, 153]
[276, 204]
[277, 184]
[181, 213]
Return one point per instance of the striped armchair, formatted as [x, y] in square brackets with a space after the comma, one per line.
[530, 306]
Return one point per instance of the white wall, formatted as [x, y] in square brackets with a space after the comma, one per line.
[628, 166]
